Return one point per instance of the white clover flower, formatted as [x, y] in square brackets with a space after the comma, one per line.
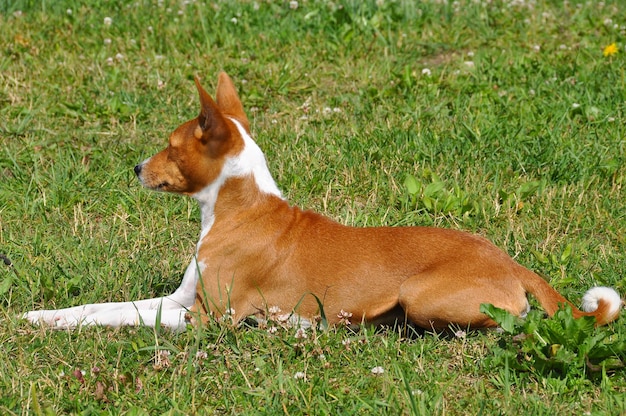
[344, 317]
[108, 21]
[69, 12]
[378, 370]
[162, 360]
[301, 334]
[107, 41]
[119, 57]
[299, 376]
[284, 318]
[469, 64]
[234, 20]
[426, 72]
[293, 5]
[343, 314]
[274, 310]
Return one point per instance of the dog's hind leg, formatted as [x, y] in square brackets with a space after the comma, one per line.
[436, 299]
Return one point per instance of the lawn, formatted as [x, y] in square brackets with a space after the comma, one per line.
[505, 118]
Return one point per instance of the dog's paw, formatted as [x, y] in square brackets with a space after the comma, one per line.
[57, 319]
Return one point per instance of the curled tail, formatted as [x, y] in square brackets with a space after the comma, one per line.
[603, 303]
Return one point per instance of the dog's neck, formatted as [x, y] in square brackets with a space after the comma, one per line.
[249, 162]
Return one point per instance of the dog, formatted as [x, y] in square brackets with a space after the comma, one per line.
[257, 253]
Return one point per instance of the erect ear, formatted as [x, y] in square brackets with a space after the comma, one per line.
[212, 129]
[228, 101]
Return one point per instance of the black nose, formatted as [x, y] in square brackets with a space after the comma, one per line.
[137, 169]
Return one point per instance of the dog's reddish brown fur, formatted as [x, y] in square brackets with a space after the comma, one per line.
[261, 252]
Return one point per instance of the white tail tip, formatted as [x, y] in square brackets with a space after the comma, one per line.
[595, 294]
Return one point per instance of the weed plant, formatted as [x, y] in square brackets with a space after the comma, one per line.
[504, 118]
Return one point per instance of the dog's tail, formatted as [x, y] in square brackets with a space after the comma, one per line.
[603, 303]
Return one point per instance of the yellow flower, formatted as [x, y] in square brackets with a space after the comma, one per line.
[610, 50]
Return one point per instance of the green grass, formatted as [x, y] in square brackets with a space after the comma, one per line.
[526, 145]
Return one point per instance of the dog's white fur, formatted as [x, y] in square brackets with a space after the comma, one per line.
[592, 297]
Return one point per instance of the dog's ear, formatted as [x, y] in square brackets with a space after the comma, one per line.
[228, 101]
[213, 130]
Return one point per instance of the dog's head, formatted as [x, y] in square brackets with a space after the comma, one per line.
[199, 148]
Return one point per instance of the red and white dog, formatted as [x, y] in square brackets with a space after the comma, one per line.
[256, 252]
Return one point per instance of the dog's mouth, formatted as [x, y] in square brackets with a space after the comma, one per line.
[162, 186]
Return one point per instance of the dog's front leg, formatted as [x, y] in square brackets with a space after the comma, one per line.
[167, 311]
[149, 312]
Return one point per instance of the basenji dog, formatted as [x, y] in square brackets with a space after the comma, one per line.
[257, 253]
